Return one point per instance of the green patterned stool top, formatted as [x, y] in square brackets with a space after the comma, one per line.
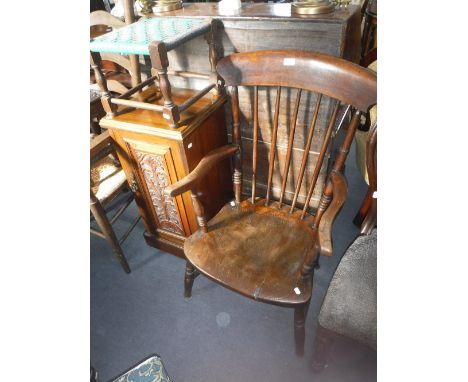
[150, 370]
[135, 38]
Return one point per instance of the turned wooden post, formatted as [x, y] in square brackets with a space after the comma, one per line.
[190, 274]
[199, 212]
[129, 14]
[160, 62]
[236, 138]
[211, 37]
[109, 108]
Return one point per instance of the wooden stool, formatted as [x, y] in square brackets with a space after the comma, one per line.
[155, 37]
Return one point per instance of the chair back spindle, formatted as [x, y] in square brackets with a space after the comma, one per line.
[305, 156]
[236, 138]
[337, 167]
[290, 146]
[273, 145]
[255, 144]
[319, 164]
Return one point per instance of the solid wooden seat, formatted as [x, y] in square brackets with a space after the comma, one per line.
[262, 250]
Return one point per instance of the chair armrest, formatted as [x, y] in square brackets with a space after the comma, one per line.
[99, 143]
[340, 191]
[213, 157]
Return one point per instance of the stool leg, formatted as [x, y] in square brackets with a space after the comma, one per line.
[160, 62]
[101, 219]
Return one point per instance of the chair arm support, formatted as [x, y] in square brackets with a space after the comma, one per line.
[99, 143]
[213, 157]
[340, 191]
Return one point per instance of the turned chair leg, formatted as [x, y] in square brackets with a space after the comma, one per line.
[101, 219]
[190, 274]
[300, 315]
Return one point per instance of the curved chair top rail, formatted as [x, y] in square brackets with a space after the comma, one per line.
[316, 72]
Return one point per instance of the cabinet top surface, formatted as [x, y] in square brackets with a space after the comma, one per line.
[262, 11]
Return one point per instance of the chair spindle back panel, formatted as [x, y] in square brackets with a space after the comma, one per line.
[296, 141]
[257, 131]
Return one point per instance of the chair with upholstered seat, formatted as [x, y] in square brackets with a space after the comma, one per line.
[259, 245]
[349, 309]
[107, 182]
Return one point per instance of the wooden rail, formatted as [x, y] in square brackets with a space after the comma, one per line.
[195, 98]
[137, 104]
[138, 87]
[186, 74]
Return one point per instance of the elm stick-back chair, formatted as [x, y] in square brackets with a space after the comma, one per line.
[262, 249]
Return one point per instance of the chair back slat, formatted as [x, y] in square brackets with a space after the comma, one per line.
[290, 146]
[305, 156]
[319, 163]
[273, 145]
[255, 143]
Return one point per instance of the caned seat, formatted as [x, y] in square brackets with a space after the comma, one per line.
[107, 179]
[106, 183]
[262, 252]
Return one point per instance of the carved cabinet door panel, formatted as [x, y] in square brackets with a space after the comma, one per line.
[153, 165]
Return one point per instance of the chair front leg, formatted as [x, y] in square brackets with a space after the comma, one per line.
[300, 315]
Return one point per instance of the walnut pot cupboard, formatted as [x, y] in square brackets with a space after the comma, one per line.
[155, 156]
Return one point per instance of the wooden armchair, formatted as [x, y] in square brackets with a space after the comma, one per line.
[107, 182]
[260, 248]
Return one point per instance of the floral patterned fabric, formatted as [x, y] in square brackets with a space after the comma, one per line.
[150, 370]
